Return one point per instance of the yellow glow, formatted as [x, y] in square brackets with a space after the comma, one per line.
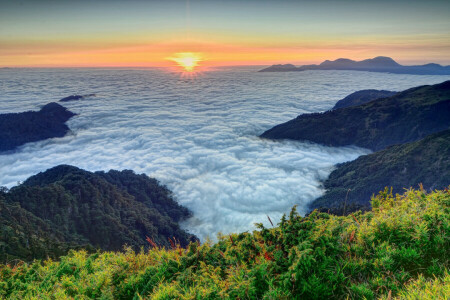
[187, 60]
[203, 56]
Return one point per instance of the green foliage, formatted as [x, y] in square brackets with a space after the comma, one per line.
[425, 162]
[399, 249]
[69, 208]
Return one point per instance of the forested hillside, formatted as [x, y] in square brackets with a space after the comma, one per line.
[351, 185]
[405, 117]
[66, 207]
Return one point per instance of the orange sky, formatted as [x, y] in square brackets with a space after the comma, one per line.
[144, 34]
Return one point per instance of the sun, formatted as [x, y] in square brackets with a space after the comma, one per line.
[188, 61]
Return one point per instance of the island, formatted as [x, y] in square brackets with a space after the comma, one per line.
[76, 97]
[376, 64]
[17, 129]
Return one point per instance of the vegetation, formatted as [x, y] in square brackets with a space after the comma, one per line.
[399, 249]
[406, 117]
[17, 129]
[361, 97]
[66, 207]
[425, 162]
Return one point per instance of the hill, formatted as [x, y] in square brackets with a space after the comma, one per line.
[400, 248]
[376, 64]
[361, 97]
[405, 117]
[66, 207]
[76, 97]
[17, 129]
[425, 162]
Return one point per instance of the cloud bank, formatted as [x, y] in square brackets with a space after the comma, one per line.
[198, 136]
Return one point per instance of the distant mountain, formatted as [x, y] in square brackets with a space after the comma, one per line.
[401, 166]
[66, 207]
[405, 117]
[377, 64]
[17, 129]
[361, 97]
[76, 97]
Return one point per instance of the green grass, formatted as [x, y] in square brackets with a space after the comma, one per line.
[399, 249]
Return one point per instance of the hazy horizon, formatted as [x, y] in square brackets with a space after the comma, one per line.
[47, 33]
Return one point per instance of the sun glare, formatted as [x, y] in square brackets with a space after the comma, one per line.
[188, 61]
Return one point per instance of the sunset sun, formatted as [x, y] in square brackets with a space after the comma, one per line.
[188, 61]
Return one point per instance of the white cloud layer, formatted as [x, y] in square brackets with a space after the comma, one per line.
[197, 136]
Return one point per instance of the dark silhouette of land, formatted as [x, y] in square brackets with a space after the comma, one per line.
[361, 97]
[17, 129]
[377, 64]
[76, 97]
[405, 117]
[425, 162]
[410, 130]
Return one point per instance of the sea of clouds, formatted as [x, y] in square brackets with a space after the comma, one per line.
[197, 135]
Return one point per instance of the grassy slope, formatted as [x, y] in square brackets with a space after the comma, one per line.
[408, 116]
[426, 161]
[398, 249]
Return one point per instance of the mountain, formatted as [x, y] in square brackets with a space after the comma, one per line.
[76, 97]
[425, 162]
[280, 68]
[25, 236]
[361, 97]
[17, 129]
[377, 64]
[405, 117]
[66, 207]
[398, 249]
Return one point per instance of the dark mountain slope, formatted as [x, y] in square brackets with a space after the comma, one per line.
[85, 209]
[401, 166]
[17, 129]
[362, 97]
[147, 191]
[405, 117]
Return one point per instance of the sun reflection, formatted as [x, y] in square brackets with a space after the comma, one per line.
[188, 61]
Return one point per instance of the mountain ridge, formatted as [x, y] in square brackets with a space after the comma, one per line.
[17, 129]
[407, 116]
[376, 64]
[425, 162]
[361, 97]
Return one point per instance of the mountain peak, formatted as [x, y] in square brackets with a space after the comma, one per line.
[381, 61]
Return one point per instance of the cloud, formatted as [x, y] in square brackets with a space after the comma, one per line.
[197, 136]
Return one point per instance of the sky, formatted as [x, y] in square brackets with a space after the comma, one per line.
[63, 33]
